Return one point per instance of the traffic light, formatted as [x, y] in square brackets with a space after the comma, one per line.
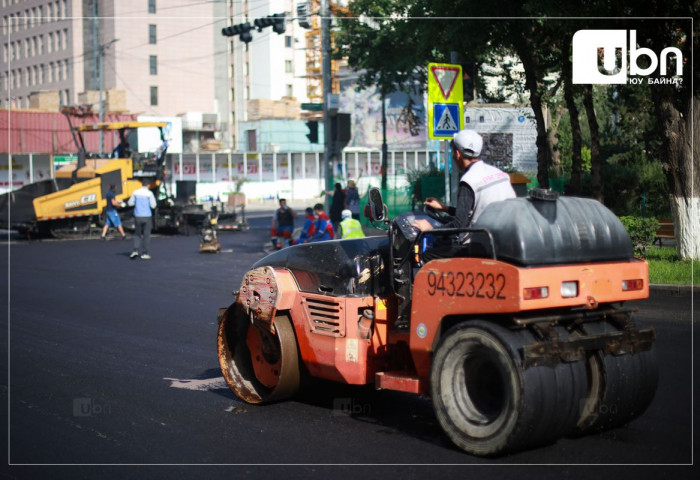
[242, 29]
[341, 130]
[276, 21]
[469, 77]
[261, 23]
[313, 131]
[303, 13]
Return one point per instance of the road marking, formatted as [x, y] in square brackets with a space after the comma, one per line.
[198, 384]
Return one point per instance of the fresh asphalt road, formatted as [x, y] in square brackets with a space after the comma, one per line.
[113, 373]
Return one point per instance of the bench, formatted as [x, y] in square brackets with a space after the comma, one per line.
[666, 231]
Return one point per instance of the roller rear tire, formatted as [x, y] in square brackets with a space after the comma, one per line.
[485, 401]
[621, 387]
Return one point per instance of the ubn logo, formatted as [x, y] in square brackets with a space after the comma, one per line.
[600, 57]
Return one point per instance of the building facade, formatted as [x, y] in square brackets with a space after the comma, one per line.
[150, 57]
[42, 50]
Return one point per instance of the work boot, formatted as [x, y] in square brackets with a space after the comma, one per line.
[145, 256]
[134, 255]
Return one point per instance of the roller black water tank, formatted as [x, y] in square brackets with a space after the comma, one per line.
[550, 230]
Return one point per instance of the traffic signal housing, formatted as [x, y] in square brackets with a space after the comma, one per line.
[313, 131]
[276, 21]
[242, 30]
[303, 14]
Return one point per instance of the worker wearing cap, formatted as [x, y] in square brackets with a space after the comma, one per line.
[349, 227]
[480, 185]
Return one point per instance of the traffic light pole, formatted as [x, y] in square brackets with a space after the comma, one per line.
[328, 146]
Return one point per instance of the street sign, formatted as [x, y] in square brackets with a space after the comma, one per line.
[445, 100]
[313, 107]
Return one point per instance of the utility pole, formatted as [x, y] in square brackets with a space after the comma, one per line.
[385, 149]
[326, 75]
[97, 52]
[101, 78]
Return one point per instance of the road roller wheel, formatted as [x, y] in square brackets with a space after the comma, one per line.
[621, 387]
[259, 366]
[488, 404]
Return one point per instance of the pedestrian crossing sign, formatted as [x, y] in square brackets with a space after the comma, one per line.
[445, 100]
[446, 119]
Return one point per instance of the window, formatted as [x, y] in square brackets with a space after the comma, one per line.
[49, 45]
[154, 96]
[151, 6]
[288, 66]
[152, 34]
[290, 90]
[153, 65]
[288, 41]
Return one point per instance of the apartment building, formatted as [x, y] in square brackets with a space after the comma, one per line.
[42, 49]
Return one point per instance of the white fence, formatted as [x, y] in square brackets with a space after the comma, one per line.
[294, 175]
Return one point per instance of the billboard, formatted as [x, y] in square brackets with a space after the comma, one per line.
[149, 138]
[405, 118]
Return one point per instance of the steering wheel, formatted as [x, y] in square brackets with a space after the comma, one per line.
[438, 215]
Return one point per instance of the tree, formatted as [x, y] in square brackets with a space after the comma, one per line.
[676, 106]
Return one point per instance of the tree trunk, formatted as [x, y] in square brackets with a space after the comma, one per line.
[596, 160]
[553, 140]
[576, 161]
[525, 52]
[681, 165]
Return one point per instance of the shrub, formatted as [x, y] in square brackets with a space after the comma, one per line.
[642, 232]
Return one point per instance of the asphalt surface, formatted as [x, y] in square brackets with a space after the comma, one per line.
[112, 373]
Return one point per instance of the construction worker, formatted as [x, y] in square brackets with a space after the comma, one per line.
[323, 228]
[349, 227]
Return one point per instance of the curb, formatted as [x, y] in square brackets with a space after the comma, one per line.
[675, 289]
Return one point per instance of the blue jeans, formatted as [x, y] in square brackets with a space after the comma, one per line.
[143, 231]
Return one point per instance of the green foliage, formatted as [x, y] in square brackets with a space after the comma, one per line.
[665, 267]
[642, 232]
[422, 184]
